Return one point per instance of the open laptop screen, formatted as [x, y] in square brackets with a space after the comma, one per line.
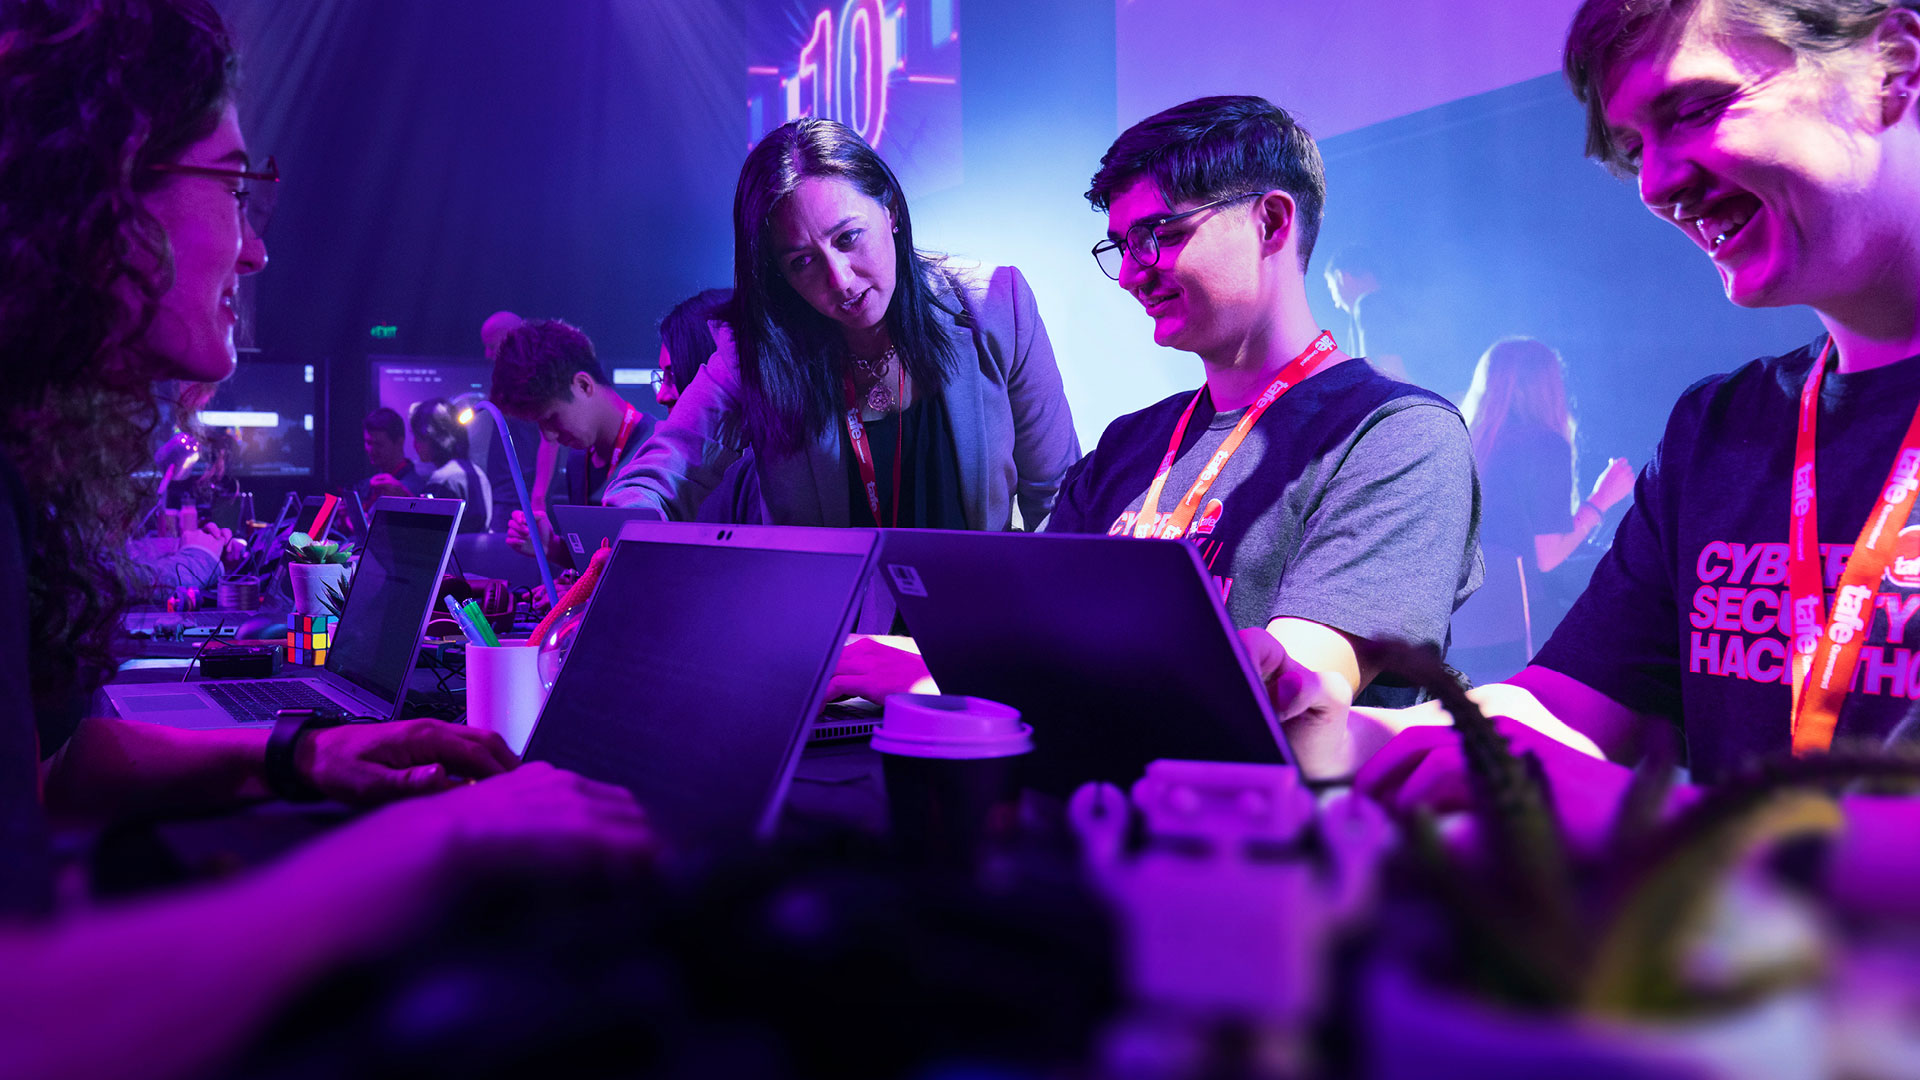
[398, 575]
[697, 671]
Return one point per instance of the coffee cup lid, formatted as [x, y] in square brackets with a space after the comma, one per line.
[950, 726]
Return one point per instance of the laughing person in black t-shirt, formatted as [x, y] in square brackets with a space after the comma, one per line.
[1789, 151]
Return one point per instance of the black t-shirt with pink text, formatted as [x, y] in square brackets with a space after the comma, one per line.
[1684, 617]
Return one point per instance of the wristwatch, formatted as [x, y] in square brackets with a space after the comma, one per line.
[283, 778]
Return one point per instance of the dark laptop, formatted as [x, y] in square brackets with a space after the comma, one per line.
[700, 667]
[373, 646]
[1117, 651]
[585, 528]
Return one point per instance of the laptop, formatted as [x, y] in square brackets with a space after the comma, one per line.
[699, 668]
[374, 644]
[585, 529]
[1118, 651]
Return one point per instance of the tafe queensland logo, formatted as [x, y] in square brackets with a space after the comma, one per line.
[1904, 569]
[1803, 489]
[1906, 476]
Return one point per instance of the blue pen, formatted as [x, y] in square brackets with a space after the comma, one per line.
[460, 620]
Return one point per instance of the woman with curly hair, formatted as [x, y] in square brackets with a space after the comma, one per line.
[124, 178]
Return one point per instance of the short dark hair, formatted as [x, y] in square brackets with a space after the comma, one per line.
[535, 365]
[1606, 33]
[386, 422]
[687, 338]
[446, 437]
[1216, 147]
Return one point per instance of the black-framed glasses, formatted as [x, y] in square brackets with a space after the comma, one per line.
[1143, 239]
[258, 188]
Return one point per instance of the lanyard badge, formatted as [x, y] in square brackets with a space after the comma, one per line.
[1827, 650]
[1173, 525]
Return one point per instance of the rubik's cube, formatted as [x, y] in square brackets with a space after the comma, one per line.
[308, 638]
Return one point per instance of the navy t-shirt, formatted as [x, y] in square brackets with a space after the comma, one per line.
[1682, 619]
[1352, 503]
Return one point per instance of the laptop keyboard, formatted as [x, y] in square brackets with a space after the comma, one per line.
[260, 700]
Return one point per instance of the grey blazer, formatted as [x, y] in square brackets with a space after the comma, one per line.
[1012, 429]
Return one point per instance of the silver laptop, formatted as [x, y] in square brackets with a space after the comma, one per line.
[374, 645]
[700, 667]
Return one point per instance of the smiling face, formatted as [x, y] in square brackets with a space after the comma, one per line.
[835, 246]
[212, 248]
[1206, 292]
[1772, 167]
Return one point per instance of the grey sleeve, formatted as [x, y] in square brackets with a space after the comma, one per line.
[1044, 443]
[1392, 543]
[688, 453]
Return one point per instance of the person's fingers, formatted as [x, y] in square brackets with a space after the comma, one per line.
[1387, 770]
[1439, 784]
[490, 742]
[427, 742]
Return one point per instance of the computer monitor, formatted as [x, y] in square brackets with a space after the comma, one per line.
[262, 418]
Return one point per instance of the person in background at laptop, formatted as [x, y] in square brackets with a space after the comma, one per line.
[441, 441]
[124, 180]
[384, 436]
[875, 383]
[545, 372]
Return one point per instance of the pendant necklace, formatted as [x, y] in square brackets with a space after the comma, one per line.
[880, 397]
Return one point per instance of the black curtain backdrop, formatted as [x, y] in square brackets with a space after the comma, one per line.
[444, 159]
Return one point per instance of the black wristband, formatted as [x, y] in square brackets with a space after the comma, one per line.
[283, 777]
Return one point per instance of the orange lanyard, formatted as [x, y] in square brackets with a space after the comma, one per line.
[1825, 652]
[863, 453]
[1173, 525]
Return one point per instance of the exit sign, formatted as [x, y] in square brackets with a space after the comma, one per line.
[384, 332]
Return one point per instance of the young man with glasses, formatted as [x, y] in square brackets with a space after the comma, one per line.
[1335, 507]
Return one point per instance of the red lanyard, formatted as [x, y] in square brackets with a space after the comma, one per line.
[1173, 525]
[627, 423]
[857, 434]
[1827, 650]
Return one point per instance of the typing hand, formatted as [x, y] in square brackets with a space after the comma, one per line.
[385, 484]
[1313, 707]
[209, 538]
[533, 818]
[1425, 767]
[369, 764]
[872, 668]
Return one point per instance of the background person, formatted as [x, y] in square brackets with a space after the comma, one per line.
[546, 373]
[440, 440]
[1522, 431]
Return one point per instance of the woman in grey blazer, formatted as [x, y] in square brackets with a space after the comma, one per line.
[875, 383]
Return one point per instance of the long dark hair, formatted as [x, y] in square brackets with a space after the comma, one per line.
[791, 357]
[95, 92]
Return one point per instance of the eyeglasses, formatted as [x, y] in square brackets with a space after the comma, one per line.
[258, 188]
[1143, 239]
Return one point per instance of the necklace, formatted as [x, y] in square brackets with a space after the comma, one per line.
[880, 396]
